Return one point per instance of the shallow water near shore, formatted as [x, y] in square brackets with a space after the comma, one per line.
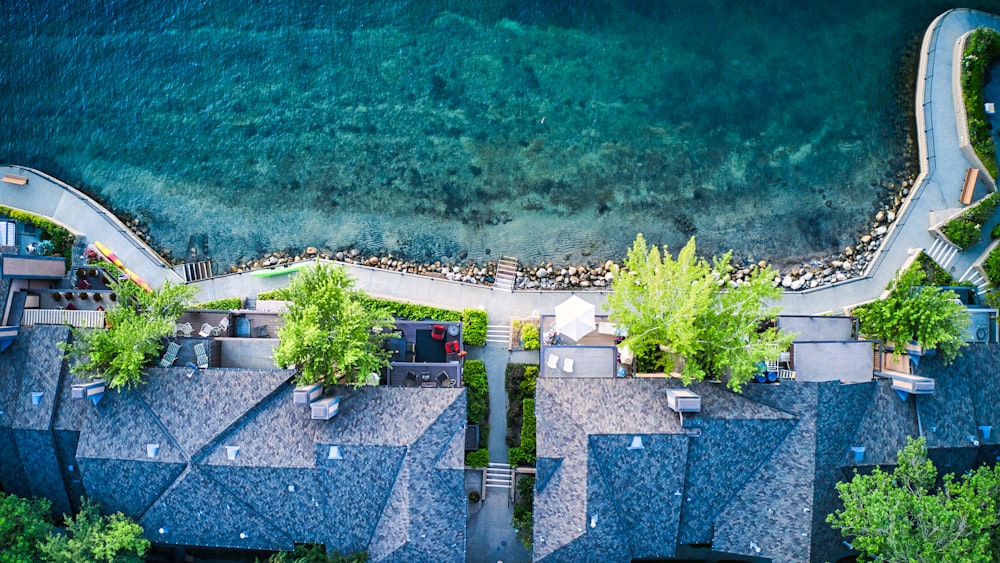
[545, 130]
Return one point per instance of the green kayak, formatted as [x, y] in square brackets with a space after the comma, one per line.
[279, 270]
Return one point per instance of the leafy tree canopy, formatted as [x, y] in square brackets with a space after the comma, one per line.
[684, 307]
[905, 517]
[134, 333]
[914, 312]
[328, 334]
[23, 526]
[92, 538]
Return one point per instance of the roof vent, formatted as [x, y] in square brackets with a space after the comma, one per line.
[636, 443]
[291, 488]
[152, 450]
[36, 398]
[325, 409]
[162, 531]
[305, 394]
[754, 547]
[243, 535]
[334, 453]
[973, 440]
[859, 453]
[986, 431]
[593, 521]
[683, 400]
[232, 452]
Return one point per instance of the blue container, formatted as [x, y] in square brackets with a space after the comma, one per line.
[760, 378]
[772, 376]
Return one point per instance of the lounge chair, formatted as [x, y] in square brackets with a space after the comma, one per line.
[411, 379]
[442, 379]
[452, 347]
[186, 329]
[206, 330]
[223, 327]
[201, 354]
[553, 361]
[171, 355]
[568, 365]
[437, 332]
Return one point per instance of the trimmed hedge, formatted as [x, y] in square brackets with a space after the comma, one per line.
[280, 294]
[478, 458]
[982, 49]
[965, 230]
[227, 304]
[474, 327]
[62, 240]
[523, 520]
[525, 453]
[527, 384]
[474, 377]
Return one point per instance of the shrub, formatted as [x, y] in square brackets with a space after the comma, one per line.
[60, 238]
[981, 49]
[528, 431]
[474, 377]
[995, 233]
[474, 496]
[992, 266]
[280, 294]
[983, 210]
[522, 520]
[478, 458]
[411, 311]
[529, 336]
[474, 327]
[226, 304]
[961, 232]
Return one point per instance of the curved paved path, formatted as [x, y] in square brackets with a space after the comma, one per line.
[942, 162]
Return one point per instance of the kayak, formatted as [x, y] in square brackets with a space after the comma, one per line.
[276, 271]
[111, 257]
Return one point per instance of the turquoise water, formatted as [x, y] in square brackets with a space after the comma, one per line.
[545, 130]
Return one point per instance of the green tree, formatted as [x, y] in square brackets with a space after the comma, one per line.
[93, 538]
[329, 335]
[315, 553]
[683, 307]
[23, 525]
[913, 312]
[136, 326]
[904, 517]
[734, 333]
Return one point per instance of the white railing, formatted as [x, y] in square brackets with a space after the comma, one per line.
[78, 319]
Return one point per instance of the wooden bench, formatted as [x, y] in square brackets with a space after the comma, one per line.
[15, 179]
[971, 175]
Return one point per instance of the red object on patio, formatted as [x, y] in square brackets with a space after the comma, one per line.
[437, 332]
[71, 307]
[452, 347]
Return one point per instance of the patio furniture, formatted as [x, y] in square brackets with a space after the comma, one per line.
[186, 329]
[82, 284]
[425, 376]
[411, 379]
[243, 329]
[201, 355]
[568, 365]
[452, 347]
[553, 361]
[442, 377]
[170, 355]
[449, 383]
[261, 331]
[437, 332]
[206, 330]
[223, 327]
[453, 330]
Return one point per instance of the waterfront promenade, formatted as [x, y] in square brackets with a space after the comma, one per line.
[942, 162]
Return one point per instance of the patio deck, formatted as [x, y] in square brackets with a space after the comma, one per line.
[595, 355]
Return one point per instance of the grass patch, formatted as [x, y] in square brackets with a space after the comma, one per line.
[982, 49]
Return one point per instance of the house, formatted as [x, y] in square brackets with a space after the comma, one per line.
[226, 459]
[627, 471]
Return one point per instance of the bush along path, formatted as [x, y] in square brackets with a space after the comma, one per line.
[520, 383]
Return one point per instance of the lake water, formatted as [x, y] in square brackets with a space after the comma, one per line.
[545, 130]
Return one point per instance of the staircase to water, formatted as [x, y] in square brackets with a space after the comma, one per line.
[506, 273]
[196, 271]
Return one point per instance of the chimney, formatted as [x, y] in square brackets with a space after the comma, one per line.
[859, 453]
[152, 450]
[232, 452]
[325, 409]
[92, 389]
[305, 394]
[683, 400]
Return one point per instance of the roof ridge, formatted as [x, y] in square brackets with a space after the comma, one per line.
[159, 423]
[240, 499]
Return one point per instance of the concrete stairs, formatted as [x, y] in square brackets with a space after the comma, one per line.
[942, 252]
[196, 271]
[499, 476]
[498, 334]
[975, 277]
[506, 273]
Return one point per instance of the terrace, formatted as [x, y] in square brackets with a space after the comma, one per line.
[425, 354]
[596, 354]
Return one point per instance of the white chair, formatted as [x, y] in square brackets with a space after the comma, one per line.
[568, 365]
[223, 327]
[201, 354]
[206, 330]
[553, 361]
[186, 329]
[171, 354]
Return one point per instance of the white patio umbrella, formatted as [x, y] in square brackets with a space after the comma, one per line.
[575, 318]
